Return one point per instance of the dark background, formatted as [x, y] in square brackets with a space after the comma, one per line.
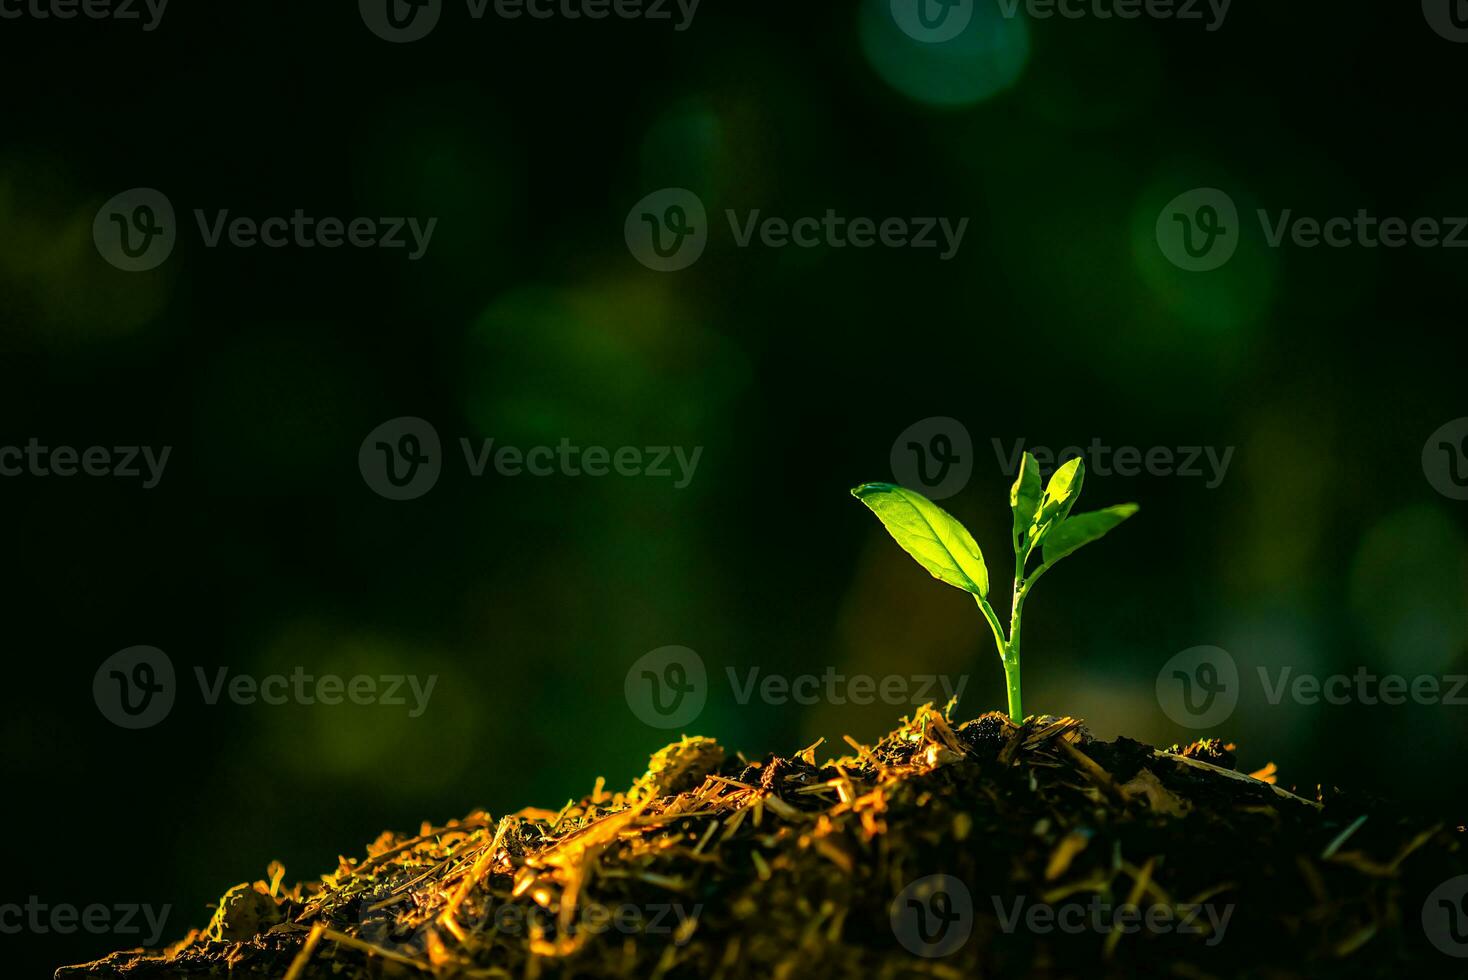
[1058, 322]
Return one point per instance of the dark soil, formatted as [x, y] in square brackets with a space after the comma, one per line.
[715, 866]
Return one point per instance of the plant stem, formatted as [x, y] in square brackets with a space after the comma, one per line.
[988, 612]
[1009, 648]
[1012, 649]
[1011, 678]
[1011, 666]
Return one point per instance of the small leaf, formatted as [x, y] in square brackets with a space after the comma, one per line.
[930, 534]
[1061, 492]
[1024, 499]
[1082, 529]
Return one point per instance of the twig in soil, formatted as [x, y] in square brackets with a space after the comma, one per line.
[298, 965]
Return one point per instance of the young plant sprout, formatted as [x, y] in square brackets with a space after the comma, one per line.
[1042, 523]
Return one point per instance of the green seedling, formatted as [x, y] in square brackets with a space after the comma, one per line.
[1043, 525]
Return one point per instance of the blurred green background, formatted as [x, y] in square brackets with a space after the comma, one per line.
[1058, 322]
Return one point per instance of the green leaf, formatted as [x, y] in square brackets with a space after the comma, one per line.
[930, 534]
[1082, 529]
[1061, 492]
[1024, 500]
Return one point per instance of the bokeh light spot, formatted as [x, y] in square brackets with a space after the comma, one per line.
[981, 60]
[1408, 588]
